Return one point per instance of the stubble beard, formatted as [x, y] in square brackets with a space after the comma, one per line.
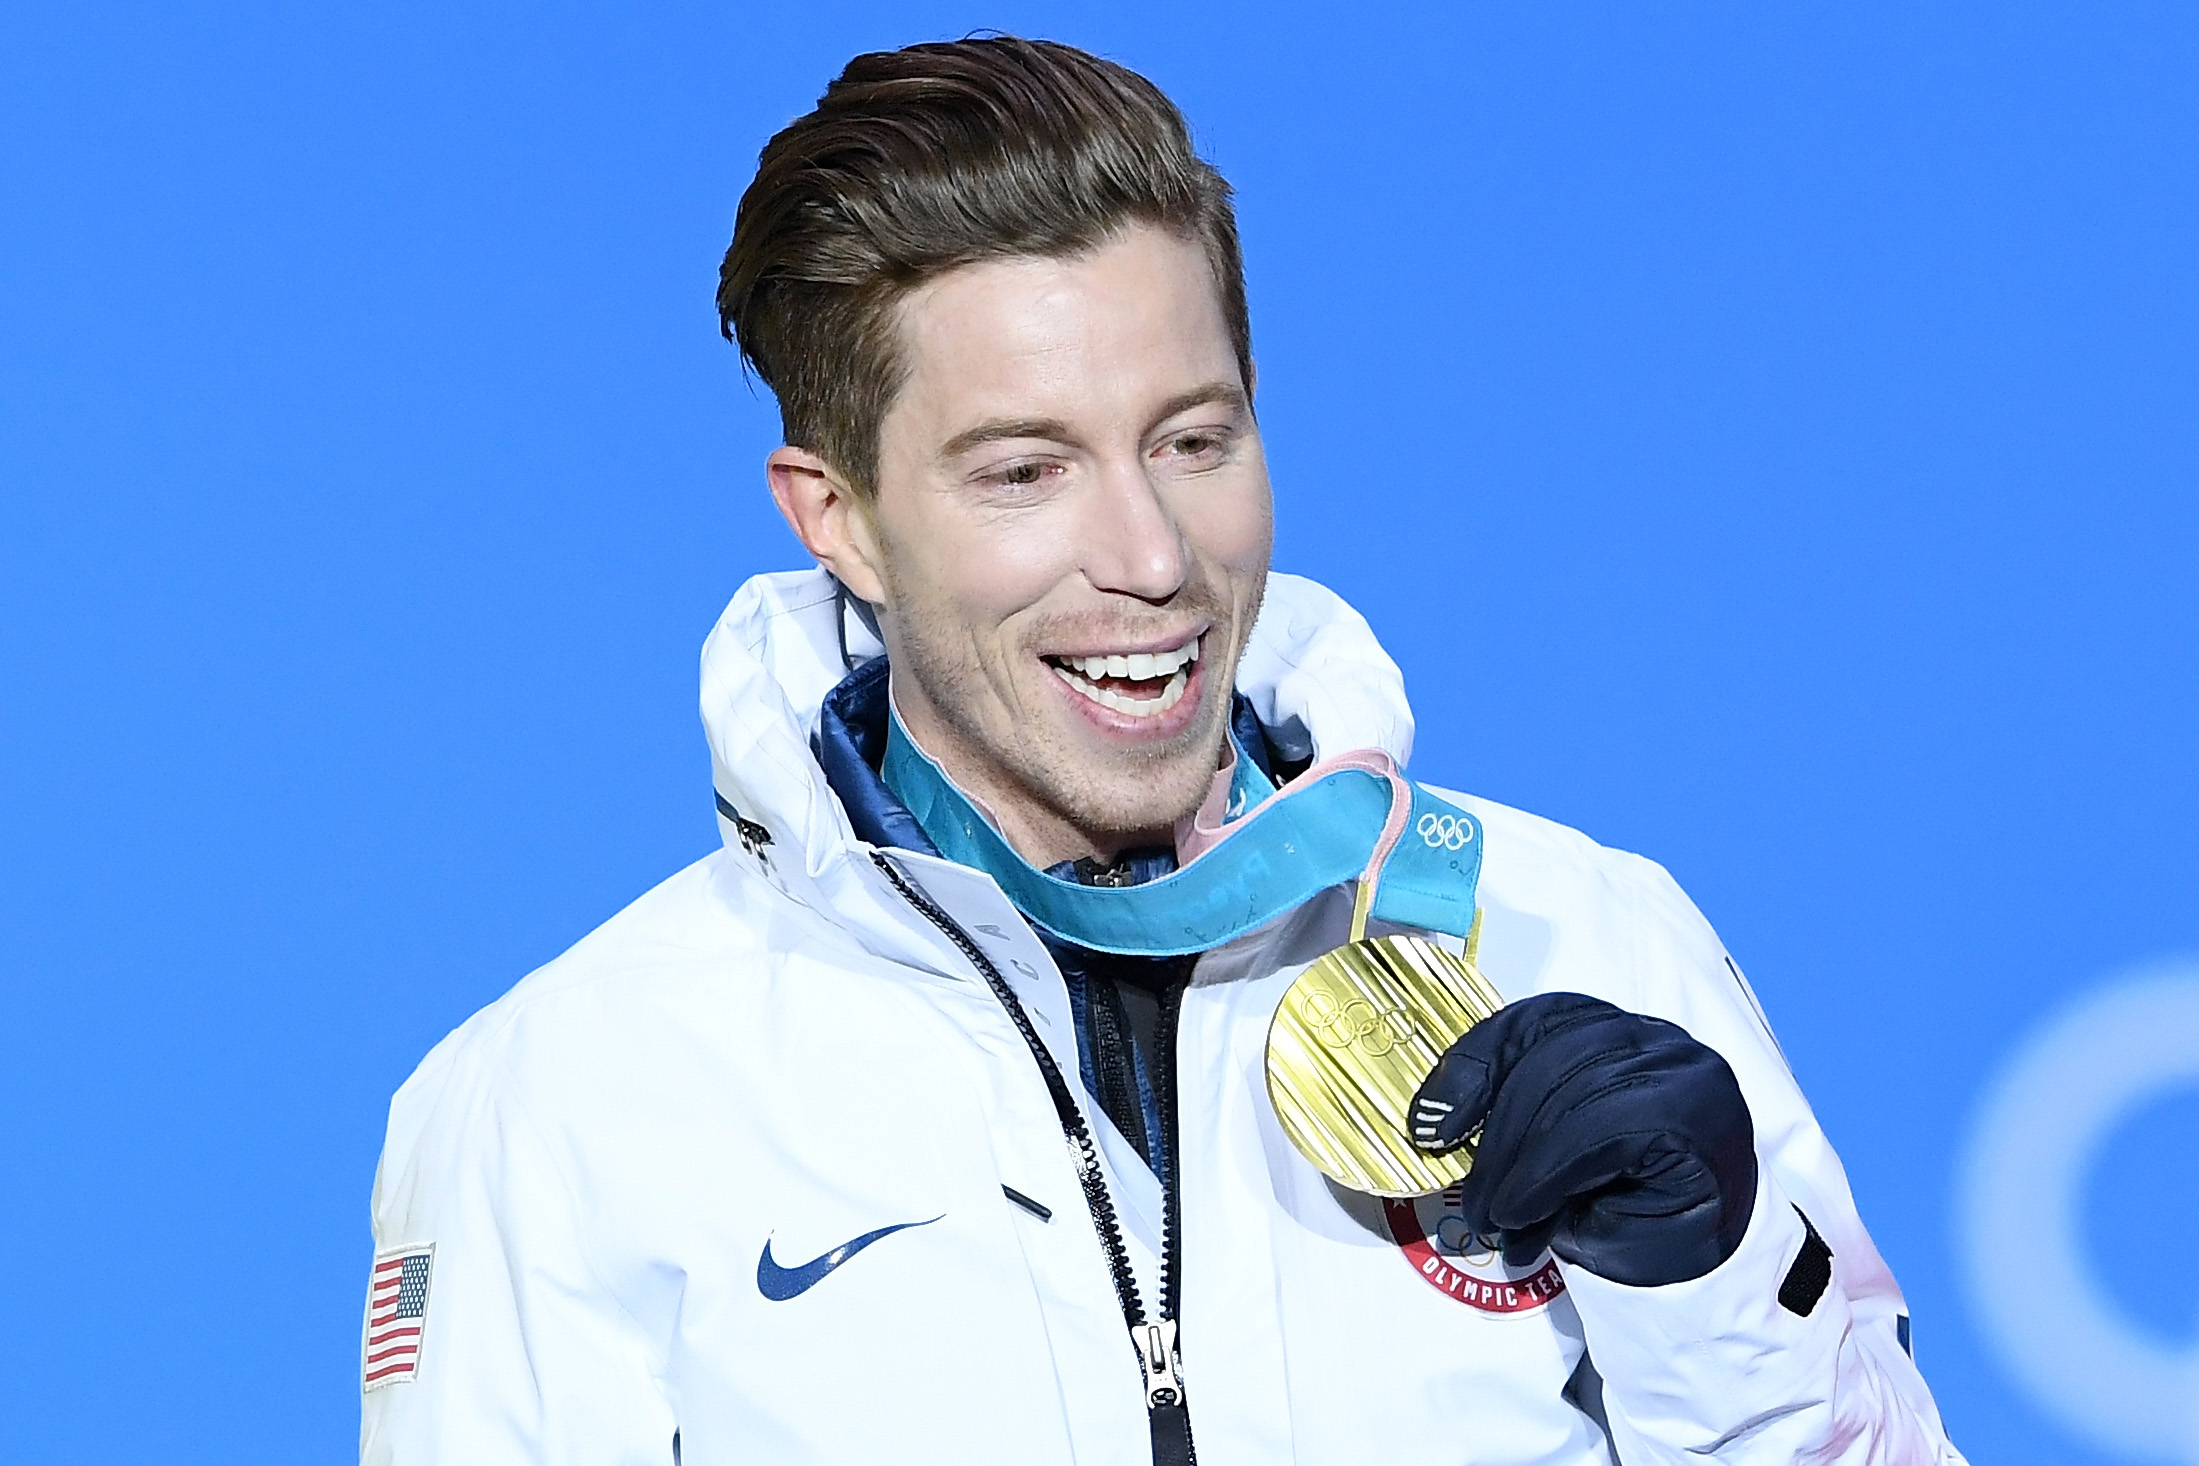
[1020, 756]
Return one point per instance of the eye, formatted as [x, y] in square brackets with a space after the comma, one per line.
[1023, 473]
[1198, 445]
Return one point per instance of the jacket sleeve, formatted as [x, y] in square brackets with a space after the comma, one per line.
[524, 1355]
[1718, 1368]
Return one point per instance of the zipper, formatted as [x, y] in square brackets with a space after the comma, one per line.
[1167, 1411]
[1159, 1359]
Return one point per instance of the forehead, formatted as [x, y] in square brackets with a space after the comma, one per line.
[1091, 335]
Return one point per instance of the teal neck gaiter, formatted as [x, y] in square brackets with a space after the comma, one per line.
[1282, 849]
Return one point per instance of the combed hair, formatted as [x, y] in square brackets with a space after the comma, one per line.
[918, 161]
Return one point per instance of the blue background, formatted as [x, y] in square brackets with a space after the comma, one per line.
[1764, 434]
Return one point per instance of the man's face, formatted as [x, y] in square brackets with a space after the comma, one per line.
[1071, 536]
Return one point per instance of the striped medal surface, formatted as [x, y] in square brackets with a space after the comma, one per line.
[1352, 1041]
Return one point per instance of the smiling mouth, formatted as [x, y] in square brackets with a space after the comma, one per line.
[1137, 685]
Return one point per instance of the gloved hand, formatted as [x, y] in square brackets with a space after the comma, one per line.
[1614, 1140]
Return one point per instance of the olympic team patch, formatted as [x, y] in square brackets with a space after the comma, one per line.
[1453, 1261]
[397, 1315]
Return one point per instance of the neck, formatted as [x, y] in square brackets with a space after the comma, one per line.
[1041, 834]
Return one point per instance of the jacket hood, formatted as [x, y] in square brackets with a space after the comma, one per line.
[1313, 671]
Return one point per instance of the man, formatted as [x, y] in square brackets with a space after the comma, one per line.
[927, 1120]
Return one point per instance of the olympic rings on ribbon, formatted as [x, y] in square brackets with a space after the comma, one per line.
[1445, 832]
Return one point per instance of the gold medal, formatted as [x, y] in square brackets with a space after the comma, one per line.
[1352, 1041]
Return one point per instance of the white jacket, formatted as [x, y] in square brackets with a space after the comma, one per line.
[775, 1048]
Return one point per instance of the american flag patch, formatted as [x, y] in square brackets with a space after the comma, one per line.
[397, 1315]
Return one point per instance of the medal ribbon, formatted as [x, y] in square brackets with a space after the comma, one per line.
[1351, 817]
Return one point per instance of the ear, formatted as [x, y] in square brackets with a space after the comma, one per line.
[830, 520]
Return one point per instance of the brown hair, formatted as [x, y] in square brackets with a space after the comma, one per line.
[920, 160]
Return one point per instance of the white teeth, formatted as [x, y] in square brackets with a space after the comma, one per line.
[1135, 666]
[1083, 673]
[1134, 707]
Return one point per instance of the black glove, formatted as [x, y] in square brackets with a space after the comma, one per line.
[1614, 1140]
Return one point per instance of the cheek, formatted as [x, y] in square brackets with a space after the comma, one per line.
[1019, 559]
[979, 574]
[1230, 525]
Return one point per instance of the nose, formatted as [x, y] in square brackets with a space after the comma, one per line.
[1133, 544]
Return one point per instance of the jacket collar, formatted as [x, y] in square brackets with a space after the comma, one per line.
[850, 744]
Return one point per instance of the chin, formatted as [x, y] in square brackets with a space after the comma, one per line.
[1142, 803]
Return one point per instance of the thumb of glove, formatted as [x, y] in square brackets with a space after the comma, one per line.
[1453, 1100]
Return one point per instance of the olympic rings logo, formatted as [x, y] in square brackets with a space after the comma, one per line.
[1446, 832]
[1353, 1024]
[2035, 1280]
[1455, 1237]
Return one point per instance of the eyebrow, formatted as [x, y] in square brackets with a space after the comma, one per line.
[1001, 429]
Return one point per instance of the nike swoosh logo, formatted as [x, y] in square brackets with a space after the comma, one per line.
[781, 1283]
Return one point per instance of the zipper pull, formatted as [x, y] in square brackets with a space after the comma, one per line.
[1156, 1344]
